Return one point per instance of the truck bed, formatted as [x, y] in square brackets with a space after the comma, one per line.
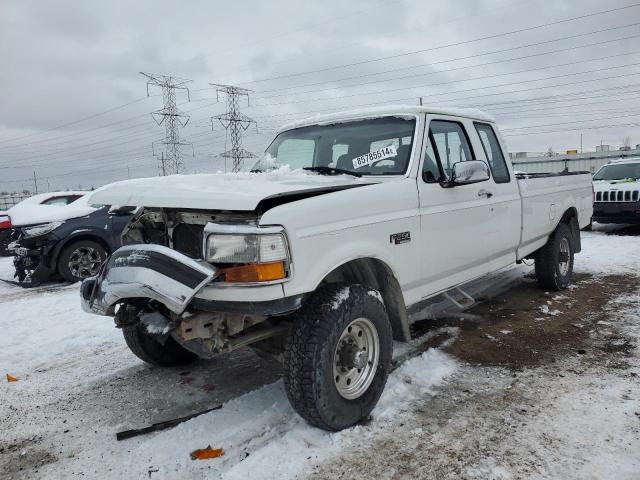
[545, 198]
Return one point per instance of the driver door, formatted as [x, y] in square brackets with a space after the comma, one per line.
[454, 221]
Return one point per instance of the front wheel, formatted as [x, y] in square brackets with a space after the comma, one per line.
[80, 260]
[148, 349]
[338, 355]
[554, 261]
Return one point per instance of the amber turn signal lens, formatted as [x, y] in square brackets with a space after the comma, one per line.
[255, 272]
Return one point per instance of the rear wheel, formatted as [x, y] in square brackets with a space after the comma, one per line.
[338, 356]
[554, 261]
[80, 260]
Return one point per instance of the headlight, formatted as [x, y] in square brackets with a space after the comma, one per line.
[38, 230]
[246, 248]
[253, 254]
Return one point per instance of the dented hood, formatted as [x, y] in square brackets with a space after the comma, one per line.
[242, 191]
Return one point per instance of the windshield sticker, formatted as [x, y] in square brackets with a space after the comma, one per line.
[369, 158]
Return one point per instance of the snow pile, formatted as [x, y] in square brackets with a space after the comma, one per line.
[264, 438]
[545, 309]
[608, 254]
[31, 211]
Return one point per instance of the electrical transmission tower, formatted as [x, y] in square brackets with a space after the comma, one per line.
[235, 122]
[172, 118]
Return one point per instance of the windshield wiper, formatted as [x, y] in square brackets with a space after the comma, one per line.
[331, 171]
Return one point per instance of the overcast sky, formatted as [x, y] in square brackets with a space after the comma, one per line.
[64, 64]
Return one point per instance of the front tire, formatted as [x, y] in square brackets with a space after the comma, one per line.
[151, 351]
[338, 356]
[80, 260]
[554, 261]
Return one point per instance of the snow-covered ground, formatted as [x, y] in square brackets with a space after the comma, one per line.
[440, 417]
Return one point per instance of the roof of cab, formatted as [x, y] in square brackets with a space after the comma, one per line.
[386, 110]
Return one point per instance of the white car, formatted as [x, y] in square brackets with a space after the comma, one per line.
[347, 221]
[617, 192]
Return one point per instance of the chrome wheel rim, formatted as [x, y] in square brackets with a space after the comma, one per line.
[84, 262]
[564, 257]
[355, 360]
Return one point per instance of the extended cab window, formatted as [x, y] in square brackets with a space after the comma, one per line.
[450, 144]
[493, 152]
[376, 146]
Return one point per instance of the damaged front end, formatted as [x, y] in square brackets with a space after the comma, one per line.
[163, 288]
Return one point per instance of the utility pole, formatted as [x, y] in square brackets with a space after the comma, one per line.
[128, 172]
[35, 182]
[235, 122]
[420, 101]
[580, 143]
[171, 117]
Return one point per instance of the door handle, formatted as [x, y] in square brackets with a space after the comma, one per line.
[485, 193]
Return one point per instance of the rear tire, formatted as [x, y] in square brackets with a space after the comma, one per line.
[149, 350]
[332, 380]
[80, 260]
[554, 261]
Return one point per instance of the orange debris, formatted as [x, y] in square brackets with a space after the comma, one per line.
[207, 453]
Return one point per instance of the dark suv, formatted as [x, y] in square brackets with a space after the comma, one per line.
[73, 249]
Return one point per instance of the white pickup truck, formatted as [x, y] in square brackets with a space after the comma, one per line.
[346, 222]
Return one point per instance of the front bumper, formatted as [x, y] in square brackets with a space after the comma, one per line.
[145, 271]
[616, 212]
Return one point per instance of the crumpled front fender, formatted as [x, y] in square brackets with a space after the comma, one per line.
[145, 271]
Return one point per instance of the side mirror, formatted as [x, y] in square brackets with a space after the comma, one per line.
[465, 173]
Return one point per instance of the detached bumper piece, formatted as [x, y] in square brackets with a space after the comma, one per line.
[145, 271]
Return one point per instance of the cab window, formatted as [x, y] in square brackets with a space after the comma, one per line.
[430, 169]
[493, 152]
[450, 144]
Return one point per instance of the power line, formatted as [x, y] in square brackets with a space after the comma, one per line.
[467, 57]
[388, 90]
[439, 47]
[58, 127]
[436, 72]
[385, 34]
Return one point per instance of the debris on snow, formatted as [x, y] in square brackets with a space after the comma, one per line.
[207, 453]
[545, 309]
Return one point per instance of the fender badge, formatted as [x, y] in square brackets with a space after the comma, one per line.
[398, 238]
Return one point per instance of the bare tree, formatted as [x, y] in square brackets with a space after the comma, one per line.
[550, 152]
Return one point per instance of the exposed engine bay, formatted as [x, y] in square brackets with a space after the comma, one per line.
[203, 332]
[181, 230]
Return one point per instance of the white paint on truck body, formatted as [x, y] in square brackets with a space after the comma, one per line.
[456, 234]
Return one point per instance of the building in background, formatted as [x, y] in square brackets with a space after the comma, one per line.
[575, 162]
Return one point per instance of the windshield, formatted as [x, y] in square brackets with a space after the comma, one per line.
[380, 146]
[619, 171]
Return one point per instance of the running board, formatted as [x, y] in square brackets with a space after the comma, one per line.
[463, 303]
